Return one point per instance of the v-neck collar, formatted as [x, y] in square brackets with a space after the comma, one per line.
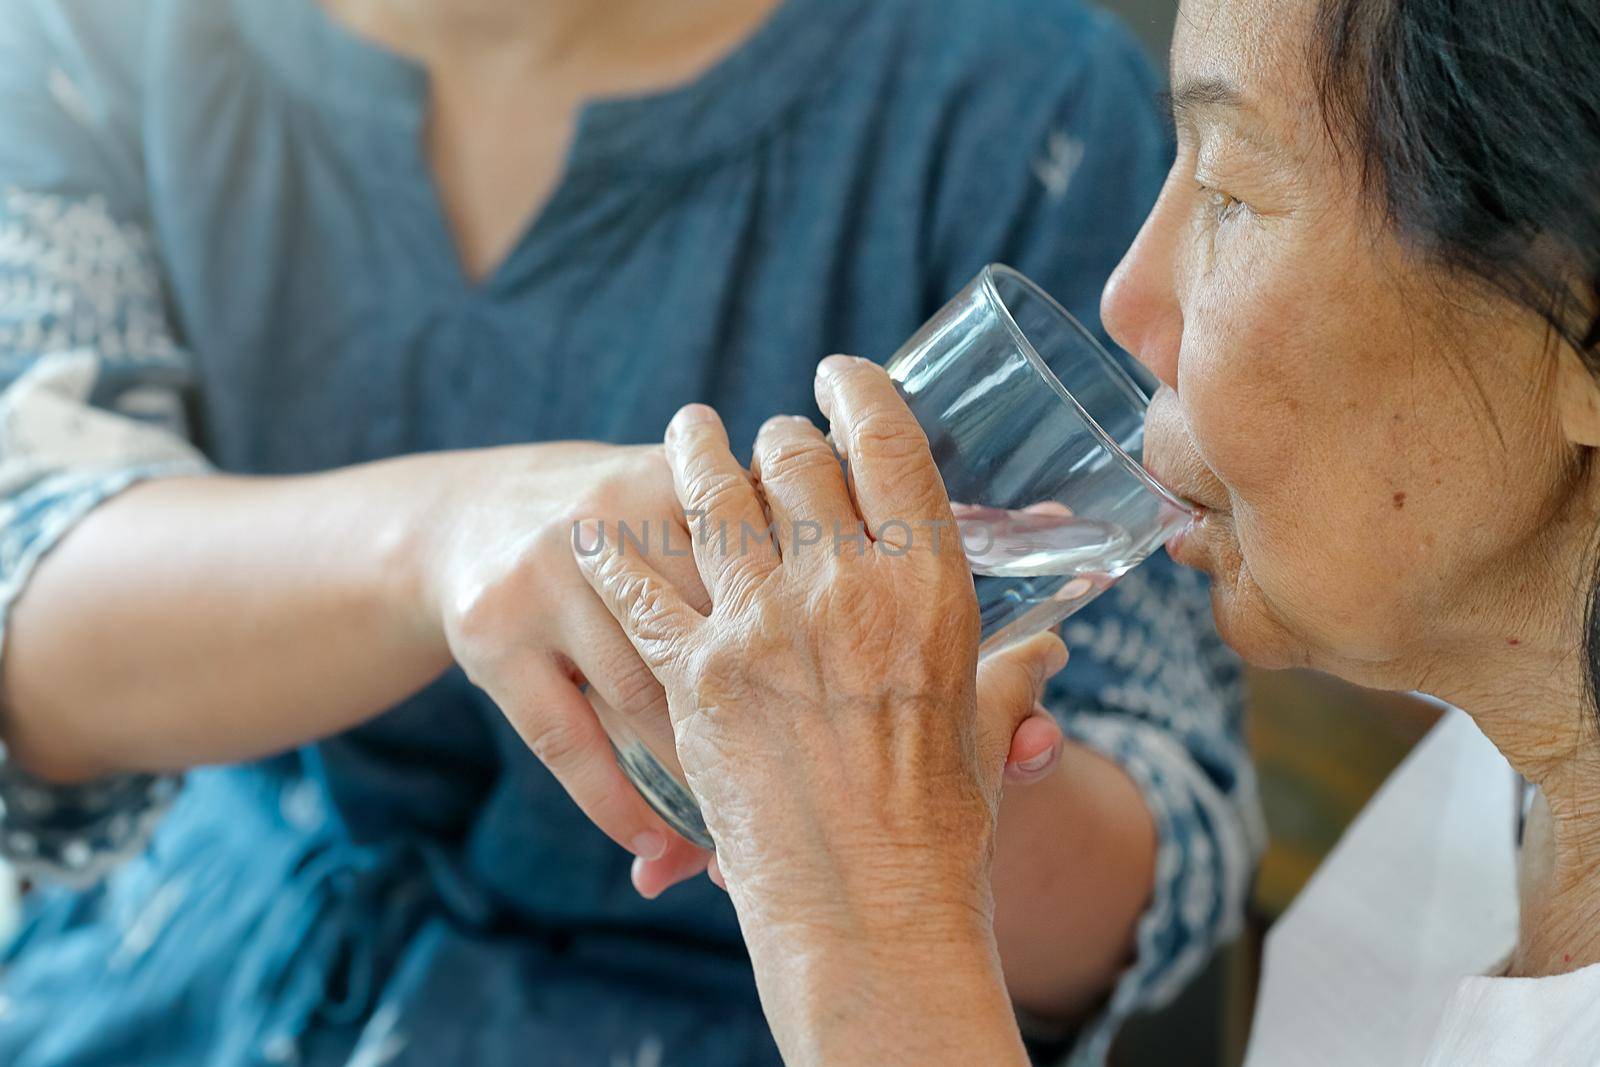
[735, 101]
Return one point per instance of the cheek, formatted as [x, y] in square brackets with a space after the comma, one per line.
[1292, 408]
[1244, 402]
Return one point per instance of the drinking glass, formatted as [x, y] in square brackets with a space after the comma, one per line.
[1037, 431]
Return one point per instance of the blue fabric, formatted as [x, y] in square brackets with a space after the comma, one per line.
[420, 890]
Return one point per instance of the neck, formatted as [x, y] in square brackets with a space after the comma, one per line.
[556, 22]
[1545, 730]
[549, 32]
[1559, 885]
[1526, 686]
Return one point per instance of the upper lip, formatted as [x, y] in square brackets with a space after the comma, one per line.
[1178, 491]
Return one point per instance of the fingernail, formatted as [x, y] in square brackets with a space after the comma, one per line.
[637, 875]
[650, 845]
[1058, 658]
[833, 366]
[689, 415]
[1041, 761]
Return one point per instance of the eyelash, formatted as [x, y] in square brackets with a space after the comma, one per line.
[1223, 208]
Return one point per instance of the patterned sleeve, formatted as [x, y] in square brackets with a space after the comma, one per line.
[1153, 688]
[92, 384]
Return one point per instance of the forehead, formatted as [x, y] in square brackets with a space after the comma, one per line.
[1258, 46]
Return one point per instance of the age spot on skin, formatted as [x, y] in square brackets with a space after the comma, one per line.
[1399, 501]
[1513, 641]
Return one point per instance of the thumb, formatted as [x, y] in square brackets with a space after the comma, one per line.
[1011, 682]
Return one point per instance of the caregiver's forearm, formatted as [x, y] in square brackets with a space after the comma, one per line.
[203, 620]
[1073, 873]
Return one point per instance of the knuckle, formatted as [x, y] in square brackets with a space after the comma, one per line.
[635, 688]
[612, 573]
[1006, 682]
[481, 614]
[649, 615]
[607, 488]
[890, 435]
[557, 742]
[721, 674]
[793, 458]
[712, 491]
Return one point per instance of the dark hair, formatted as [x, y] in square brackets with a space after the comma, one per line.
[1476, 127]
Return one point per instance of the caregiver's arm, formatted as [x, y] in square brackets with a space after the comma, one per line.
[1152, 708]
[158, 615]
[196, 620]
[1074, 865]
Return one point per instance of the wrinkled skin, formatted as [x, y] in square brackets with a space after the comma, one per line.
[1397, 464]
[826, 710]
[1380, 445]
[502, 586]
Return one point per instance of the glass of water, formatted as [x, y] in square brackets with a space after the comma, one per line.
[1037, 431]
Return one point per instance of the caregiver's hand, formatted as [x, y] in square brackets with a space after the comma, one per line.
[826, 715]
[500, 583]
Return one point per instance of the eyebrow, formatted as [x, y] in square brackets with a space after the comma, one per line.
[1202, 93]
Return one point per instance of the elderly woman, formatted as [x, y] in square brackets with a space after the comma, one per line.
[1376, 332]
[319, 320]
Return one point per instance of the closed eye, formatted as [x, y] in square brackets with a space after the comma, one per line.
[1220, 205]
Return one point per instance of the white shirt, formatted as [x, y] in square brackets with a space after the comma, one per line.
[1374, 962]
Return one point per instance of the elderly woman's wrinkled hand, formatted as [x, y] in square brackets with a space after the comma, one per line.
[826, 711]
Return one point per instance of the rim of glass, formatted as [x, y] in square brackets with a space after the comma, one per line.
[1123, 379]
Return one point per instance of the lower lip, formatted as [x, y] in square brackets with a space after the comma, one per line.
[1180, 540]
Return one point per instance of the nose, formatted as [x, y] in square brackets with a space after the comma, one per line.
[1139, 306]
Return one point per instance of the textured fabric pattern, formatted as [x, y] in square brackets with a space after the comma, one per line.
[79, 294]
[220, 207]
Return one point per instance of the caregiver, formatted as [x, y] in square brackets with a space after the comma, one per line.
[318, 323]
[1369, 290]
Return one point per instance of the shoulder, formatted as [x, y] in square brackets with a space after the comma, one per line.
[70, 95]
[107, 45]
[72, 32]
[1034, 47]
[988, 82]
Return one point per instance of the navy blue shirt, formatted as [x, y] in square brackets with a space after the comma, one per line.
[217, 224]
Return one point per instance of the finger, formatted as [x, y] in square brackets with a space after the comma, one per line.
[555, 720]
[676, 564]
[673, 555]
[1011, 682]
[1035, 748]
[1049, 509]
[610, 665]
[656, 619]
[651, 878]
[797, 472]
[893, 471]
[714, 872]
[727, 522]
